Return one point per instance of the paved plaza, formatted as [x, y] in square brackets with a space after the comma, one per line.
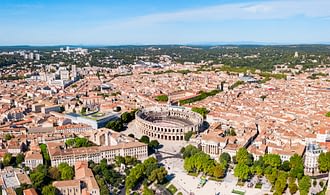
[189, 184]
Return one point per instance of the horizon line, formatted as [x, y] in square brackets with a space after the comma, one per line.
[237, 43]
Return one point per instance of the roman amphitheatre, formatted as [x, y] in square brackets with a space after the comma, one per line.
[167, 122]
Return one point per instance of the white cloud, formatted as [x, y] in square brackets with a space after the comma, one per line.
[242, 11]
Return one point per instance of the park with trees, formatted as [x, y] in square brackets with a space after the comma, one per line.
[196, 162]
[282, 175]
[144, 174]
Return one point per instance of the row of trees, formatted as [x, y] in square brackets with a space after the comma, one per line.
[145, 173]
[202, 111]
[202, 95]
[280, 174]
[196, 161]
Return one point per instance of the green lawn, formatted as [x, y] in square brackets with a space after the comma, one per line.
[240, 183]
[238, 192]
[258, 185]
[215, 179]
[193, 174]
[172, 189]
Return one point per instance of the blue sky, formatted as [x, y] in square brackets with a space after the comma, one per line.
[114, 22]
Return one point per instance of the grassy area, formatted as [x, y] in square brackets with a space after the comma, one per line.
[240, 183]
[215, 179]
[172, 189]
[258, 185]
[162, 98]
[238, 192]
[193, 174]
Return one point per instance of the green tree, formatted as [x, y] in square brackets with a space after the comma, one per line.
[38, 178]
[45, 154]
[119, 160]
[244, 157]
[54, 173]
[324, 162]
[126, 117]
[297, 166]
[103, 187]
[135, 175]
[129, 160]
[145, 139]
[158, 175]
[49, 190]
[70, 142]
[293, 188]
[19, 191]
[116, 125]
[66, 171]
[280, 183]
[314, 182]
[147, 191]
[258, 170]
[271, 174]
[218, 171]
[232, 132]
[224, 157]
[285, 166]
[242, 171]
[8, 137]
[274, 160]
[188, 135]
[304, 185]
[154, 144]
[7, 158]
[131, 135]
[189, 151]
[19, 158]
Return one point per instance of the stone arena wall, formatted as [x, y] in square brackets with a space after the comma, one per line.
[167, 123]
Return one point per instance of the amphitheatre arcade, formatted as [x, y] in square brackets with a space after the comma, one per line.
[167, 122]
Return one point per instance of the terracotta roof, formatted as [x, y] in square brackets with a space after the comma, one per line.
[66, 183]
[30, 191]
